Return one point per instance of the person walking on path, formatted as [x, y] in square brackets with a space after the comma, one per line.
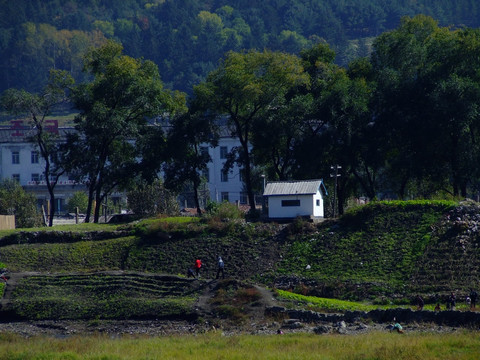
[220, 268]
[473, 299]
[452, 300]
[190, 273]
[198, 265]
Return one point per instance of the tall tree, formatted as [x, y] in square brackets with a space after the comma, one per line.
[187, 163]
[46, 139]
[244, 87]
[114, 108]
[428, 86]
[332, 130]
[275, 139]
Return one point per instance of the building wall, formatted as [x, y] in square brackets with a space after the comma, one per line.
[26, 172]
[24, 169]
[308, 206]
[318, 205]
[229, 185]
[276, 210]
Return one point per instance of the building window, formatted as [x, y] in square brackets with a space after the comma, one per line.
[318, 202]
[224, 196]
[36, 177]
[223, 152]
[15, 157]
[34, 157]
[243, 197]
[16, 177]
[224, 176]
[286, 203]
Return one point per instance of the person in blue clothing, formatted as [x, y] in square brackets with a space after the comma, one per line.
[190, 273]
[220, 267]
[397, 327]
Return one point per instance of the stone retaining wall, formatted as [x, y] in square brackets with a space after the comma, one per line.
[405, 316]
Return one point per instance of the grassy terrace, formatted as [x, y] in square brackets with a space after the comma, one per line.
[334, 305]
[104, 296]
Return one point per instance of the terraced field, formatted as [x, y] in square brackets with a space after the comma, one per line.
[107, 295]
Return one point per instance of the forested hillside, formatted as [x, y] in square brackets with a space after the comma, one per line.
[186, 38]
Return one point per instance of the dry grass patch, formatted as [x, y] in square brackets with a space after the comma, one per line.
[380, 346]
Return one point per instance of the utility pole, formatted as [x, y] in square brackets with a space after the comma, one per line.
[335, 175]
[263, 194]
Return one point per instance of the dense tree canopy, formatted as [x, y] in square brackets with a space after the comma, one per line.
[187, 164]
[427, 100]
[244, 88]
[114, 108]
[397, 109]
[402, 123]
[187, 38]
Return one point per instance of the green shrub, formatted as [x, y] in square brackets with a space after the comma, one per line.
[225, 211]
[78, 200]
[14, 200]
[151, 200]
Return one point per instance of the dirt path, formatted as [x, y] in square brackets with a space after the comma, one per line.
[202, 306]
[267, 296]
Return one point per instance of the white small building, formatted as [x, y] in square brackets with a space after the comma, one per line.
[291, 199]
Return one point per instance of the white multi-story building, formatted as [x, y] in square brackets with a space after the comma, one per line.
[20, 160]
[224, 185]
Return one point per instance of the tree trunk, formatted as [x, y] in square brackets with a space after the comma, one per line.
[98, 206]
[195, 197]
[52, 203]
[248, 183]
[91, 189]
[248, 173]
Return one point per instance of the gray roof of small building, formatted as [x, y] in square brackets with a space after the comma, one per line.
[303, 187]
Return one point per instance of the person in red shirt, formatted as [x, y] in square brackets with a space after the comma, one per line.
[198, 265]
